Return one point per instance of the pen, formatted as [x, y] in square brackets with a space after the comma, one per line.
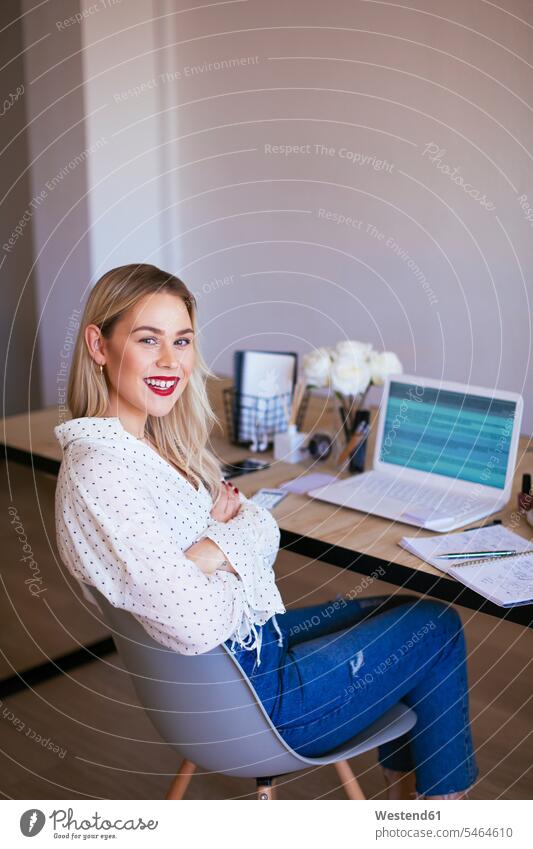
[356, 437]
[479, 527]
[470, 555]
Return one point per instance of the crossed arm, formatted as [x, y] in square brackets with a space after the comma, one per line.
[206, 553]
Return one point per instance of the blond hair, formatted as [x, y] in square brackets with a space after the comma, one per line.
[182, 435]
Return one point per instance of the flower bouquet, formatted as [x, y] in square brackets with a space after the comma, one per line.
[350, 369]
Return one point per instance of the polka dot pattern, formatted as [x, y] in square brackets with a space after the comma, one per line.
[125, 516]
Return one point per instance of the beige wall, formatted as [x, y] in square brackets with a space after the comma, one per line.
[20, 379]
[56, 169]
[186, 177]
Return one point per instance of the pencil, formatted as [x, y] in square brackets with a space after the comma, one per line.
[297, 400]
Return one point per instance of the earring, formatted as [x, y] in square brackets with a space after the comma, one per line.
[101, 369]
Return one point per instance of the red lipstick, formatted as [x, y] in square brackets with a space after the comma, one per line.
[161, 385]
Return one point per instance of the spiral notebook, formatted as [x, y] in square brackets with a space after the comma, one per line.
[506, 581]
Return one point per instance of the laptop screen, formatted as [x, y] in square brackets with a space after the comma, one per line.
[467, 437]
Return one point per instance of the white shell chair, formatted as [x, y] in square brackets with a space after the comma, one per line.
[207, 709]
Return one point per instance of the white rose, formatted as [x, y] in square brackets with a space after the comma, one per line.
[383, 364]
[349, 376]
[356, 350]
[316, 367]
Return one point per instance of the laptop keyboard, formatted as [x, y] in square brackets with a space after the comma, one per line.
[412, 495]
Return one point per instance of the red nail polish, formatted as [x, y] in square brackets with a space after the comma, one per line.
[235, 489]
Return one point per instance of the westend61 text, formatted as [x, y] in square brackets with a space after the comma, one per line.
[408, 815]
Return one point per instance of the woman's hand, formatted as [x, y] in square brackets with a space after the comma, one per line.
[209, 557]
[227, 504]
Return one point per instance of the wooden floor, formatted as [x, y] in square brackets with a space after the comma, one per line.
[83, 735]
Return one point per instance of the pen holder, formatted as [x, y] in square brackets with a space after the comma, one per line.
[288, 445]
[362, 425]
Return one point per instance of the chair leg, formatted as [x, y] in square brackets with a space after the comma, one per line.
[349, 781]
[181, 781]
[265, 788]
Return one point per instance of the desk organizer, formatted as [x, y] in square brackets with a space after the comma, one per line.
[253, 415]
[289, 445]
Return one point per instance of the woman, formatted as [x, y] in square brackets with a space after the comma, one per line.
[143, 514]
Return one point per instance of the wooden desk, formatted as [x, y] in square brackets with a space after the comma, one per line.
[344, 538]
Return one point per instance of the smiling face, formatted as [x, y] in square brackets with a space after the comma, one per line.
[147, 360]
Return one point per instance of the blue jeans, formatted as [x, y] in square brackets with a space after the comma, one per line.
[344, 663]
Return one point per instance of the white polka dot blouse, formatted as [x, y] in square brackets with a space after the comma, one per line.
[125, 516]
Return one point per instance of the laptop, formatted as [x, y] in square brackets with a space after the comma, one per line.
[445, 455]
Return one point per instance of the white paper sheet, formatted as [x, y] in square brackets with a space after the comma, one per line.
[304, 483]
[507, 581]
